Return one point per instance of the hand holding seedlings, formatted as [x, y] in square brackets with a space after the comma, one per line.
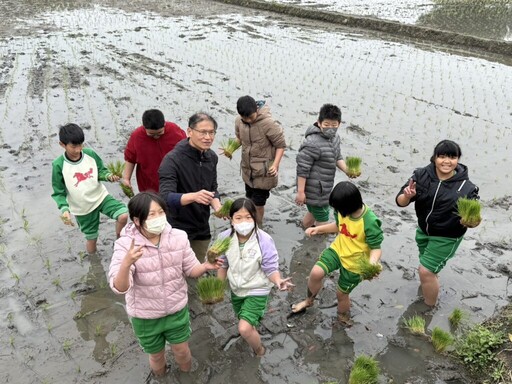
[66, 219]
[213, 265]
[133, 254]
[113, 178]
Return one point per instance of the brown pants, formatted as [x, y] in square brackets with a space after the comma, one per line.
[200, 247]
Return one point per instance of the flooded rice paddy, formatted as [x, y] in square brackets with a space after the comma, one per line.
[102, 64]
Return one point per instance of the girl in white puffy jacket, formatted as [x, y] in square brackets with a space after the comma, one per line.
[251, 265]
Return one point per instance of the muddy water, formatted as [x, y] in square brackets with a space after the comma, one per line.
[491, 20]
[103, 64]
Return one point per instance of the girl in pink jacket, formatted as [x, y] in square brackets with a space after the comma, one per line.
[149, 265]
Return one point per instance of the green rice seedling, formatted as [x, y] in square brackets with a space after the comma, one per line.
[116, 168]
[11, 341]
[56, 282]
[441, 339]
[367, 270]
[415, 325]
[364, 371]
[73, 295]
[66, 345]
[16, 277]
[353, 166]
[127, 190]
[230, 146]
[48, 264]
[469, 211]
[210, 289]
[224, 210]
[98, 330]
[456, 317]
[113, 350]
[217, 249]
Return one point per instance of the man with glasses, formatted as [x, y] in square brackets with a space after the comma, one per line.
[188, 182]
[263, 146]
[146, 148]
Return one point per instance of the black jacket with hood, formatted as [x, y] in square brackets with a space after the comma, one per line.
[183, 170]
[436, 201]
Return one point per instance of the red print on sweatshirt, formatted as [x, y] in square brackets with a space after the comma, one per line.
[344, 231]
[82, 176]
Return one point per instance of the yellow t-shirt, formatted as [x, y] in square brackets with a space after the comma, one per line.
[356, 237]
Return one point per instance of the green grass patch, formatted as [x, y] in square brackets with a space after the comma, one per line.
[211, 289]
[364, 371]
[477, 347]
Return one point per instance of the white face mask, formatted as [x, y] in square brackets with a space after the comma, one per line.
[157, 225]
[244, 228]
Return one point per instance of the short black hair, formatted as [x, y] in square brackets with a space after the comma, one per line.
[248, 204]
[446, 148]
[153, 119]
[345, 198]
[196, 118]
[329, 112]
[138, 206]
[246, 106]
[71, 134]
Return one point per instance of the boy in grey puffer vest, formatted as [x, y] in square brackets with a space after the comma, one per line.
[318, 157]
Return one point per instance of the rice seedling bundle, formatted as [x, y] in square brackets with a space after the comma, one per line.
[456, 317]
[230, 146]
[353, 166]
[364, 371]
[368, 270]
[210, 289]
[441, 339]
[415, 325]
[127, 190]
[218, 248]
[116, 168]
[224, 210]
[469, 211]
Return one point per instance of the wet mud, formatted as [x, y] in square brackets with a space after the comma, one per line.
[102, 64]
[437, 26]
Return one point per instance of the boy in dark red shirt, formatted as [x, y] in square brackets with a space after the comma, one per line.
[146, 148]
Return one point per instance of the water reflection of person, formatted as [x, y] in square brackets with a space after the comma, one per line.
[188, 182]
[149, 265]
[435, 190]
[100, 310]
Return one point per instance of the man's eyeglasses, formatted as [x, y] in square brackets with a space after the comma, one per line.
[205, 133]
